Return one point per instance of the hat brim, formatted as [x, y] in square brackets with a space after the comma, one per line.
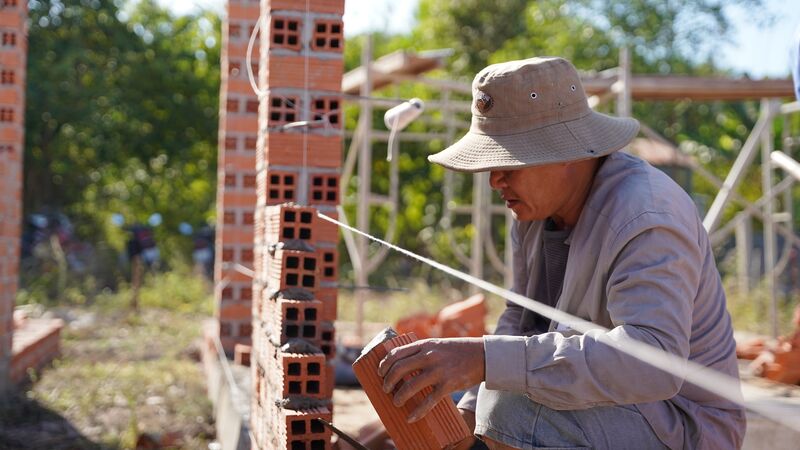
[590, 136]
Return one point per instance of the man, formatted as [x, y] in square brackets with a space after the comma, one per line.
[603, 236]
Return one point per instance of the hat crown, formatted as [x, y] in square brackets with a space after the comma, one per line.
[536, 89]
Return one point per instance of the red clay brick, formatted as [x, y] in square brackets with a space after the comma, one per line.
[320, 6]
[440, 428]
[287, 149]
[290, 72]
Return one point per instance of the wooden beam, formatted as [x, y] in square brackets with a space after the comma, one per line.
[677, 87]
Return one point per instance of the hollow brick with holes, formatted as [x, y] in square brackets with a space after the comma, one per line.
[296, 319]
[280, 186]
[290, 72]
[286, 32]
[328, 36]
[301, 375]
[290, 222]
[442, 427]
[293, 269]
[327, 109]
[323, 189]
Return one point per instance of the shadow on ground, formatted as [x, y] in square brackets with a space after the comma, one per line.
[26, 424]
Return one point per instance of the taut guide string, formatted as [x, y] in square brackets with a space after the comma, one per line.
[699, 375]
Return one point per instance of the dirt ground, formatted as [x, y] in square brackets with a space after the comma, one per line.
[122, 377]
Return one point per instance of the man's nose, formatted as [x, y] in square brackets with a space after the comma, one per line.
[497, 179]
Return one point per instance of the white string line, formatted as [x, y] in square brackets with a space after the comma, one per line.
[248, 57]
[706, 378]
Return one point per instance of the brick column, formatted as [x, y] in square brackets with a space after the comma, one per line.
[13, 51]
[296, 257]
[236, 184]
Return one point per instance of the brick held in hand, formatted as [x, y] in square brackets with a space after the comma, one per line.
[442, 427]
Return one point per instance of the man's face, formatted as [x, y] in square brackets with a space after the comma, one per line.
[534, 193]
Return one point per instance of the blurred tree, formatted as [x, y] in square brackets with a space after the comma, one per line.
[121, 114]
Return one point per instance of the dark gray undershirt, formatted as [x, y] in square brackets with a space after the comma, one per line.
[554, 253]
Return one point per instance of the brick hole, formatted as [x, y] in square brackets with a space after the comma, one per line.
[326, 349]
[318, 444]
[229, 217]
[230, 143]
[230, 180]
[6, 115]
[328, 256]
[227, 254]
[297, 445]
[248, 218]
[309, 330]
[312, 387]
[308, 281]
[294, 369]
[9, 39]
[298, 427]
[288, 233]
[252, 106]
[246, 293]
[227, 293]
[324, 188]
[292, 313]
[292, 262]
[245, 329]
[232, 106]
[285, 33]
[247, 255]
[288, 216]
[327, 35]
[313, 369]
[7, 77]
[295, 387]
[250, 143]
[292, 331]
[317, 427]
[234, 68]
[329, 272]
[234, 30]
[327, 336]
[291, 279]
[225, 329]
[249, 181]
[309, 263]
[9, 3]
[305, 217]
[311, 314]
[305, 233]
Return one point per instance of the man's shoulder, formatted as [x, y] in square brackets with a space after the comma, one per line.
[628, 189]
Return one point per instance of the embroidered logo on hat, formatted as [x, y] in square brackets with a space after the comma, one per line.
[483, 101]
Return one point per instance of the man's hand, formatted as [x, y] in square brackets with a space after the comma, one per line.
[447, 365]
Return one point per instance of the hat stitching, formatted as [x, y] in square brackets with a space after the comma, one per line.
[578, 101]
[476, 132]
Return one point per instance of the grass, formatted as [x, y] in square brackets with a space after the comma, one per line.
[124, 373]
[750, 311]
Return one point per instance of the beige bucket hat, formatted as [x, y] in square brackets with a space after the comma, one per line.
[533, 112]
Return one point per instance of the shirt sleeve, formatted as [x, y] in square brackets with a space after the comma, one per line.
[652, 283]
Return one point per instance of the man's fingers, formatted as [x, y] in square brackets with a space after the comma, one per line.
[397, 354]
[427, 405]
[410, 387]
[401, 368]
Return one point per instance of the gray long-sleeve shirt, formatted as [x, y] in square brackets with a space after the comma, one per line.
[640, 264]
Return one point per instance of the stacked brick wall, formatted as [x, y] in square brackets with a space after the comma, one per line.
[13, 51]
[296, 257]
[236, 186]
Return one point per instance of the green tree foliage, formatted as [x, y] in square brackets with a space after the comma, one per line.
[121, 114]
